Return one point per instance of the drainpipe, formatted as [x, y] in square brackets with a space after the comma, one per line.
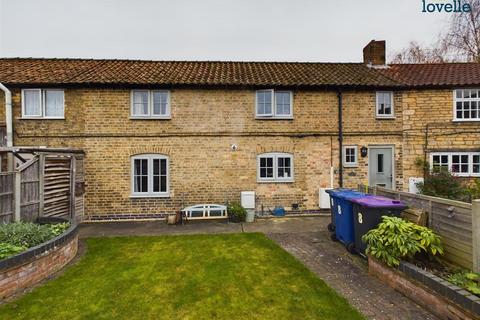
[8, 119]
[425, 167]
[340, 139]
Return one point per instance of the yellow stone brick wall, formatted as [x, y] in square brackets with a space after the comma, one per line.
[353, 176]
[107, 112]
[435, 109]
[197, 140]
[205, 123]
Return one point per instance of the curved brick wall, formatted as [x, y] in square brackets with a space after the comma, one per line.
[23, 271]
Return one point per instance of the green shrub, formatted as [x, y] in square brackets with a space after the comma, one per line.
[441, 183]
[467, 280]
[24, 234]
[444, 185]
[395, 239]
[59, 228]
[7, 250]
[27, 234]
[236, 212]
[474, 189]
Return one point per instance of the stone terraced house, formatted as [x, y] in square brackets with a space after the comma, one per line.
[162, 135]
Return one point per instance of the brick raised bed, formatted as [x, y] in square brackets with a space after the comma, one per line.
[442, 298]
[28, 268]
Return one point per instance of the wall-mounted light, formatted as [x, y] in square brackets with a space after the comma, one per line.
[363, 151]
[234, 147]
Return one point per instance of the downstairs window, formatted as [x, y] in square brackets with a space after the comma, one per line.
[464, 164]
[150, 176]
[275, 167]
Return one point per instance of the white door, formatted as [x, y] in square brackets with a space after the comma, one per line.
[380, 167]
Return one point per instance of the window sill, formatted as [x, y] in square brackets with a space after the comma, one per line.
[466, 120]
[465, 175]
[150, 118]
[350, 166]
[273, 118]
[40, 118]
[141, 196]
[275, 181]
[385, 118]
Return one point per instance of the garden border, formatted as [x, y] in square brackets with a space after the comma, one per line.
[30, 267]
[433, 293]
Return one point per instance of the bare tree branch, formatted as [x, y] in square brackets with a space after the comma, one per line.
[463, 36]
[460, 42]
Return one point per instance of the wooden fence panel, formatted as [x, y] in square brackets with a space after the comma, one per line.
[79, 188]
[454, 225]
[46, 185]
[30, 191]
[7, 184]
[451, 220]
[57, 186]
[3, 136]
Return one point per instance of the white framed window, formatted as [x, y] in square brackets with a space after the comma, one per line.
[150, 104]
[43, 103]
[463, 164]
[150, 175]
[273, 104]
[384, 104]
[350, 156]
[275, 167]
[466, 105]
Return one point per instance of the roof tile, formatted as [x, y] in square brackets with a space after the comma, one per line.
[201, 73]
[435, 74]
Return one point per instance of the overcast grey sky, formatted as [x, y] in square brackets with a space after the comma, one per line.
[261, 30]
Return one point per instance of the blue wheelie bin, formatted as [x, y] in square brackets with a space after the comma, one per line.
[341, 227]
[333, 206]
[344, 225]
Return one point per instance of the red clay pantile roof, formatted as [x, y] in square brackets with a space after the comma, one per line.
[44, 71]
[29, 71]
[436, 74]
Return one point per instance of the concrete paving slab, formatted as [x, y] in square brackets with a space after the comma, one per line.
[288, 225]
[155, 228]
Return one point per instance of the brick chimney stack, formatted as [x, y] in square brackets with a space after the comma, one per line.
[374, 53]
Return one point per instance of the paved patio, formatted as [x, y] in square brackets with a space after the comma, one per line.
[348, 275]
[278, 225]
[305, 238]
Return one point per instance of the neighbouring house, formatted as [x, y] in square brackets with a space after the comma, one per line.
[162, 135]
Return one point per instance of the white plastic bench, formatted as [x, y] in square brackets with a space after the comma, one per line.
[205, 211]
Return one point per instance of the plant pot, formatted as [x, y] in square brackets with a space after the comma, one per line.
[250, 216]
[171, 219]
[235, 219]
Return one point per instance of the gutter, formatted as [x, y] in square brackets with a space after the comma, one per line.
[9, 121]
[340, 139]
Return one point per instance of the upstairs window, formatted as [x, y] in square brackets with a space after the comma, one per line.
[384, 104]
[275, 167]
[150, 104]
[273, 104]
[467, 105]
[150, 175]
[43, 103]
[464, 164]
[350, 156]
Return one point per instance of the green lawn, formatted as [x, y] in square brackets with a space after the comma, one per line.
[237, 276]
